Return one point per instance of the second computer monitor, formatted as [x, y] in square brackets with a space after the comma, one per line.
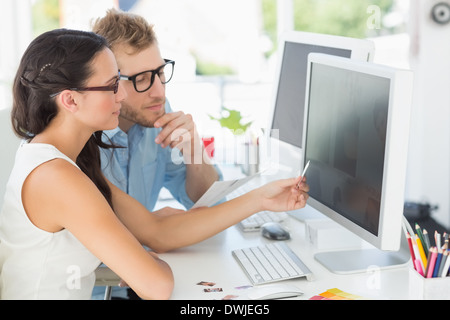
[286, 120]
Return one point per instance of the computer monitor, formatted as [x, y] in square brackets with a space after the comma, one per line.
[355, 137]
[286, 117]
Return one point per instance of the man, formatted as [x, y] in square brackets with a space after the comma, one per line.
[148, 129]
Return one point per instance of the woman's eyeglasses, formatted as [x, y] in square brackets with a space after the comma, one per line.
[113, 87]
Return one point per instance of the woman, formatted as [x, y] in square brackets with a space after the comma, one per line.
[61, 217]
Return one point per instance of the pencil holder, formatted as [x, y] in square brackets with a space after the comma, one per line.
[428, 288]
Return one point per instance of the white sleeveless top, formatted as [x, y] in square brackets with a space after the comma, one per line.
[36, 264]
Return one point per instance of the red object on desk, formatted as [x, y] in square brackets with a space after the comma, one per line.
[209, 146]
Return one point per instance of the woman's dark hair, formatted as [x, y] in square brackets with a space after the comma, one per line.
[55, 61]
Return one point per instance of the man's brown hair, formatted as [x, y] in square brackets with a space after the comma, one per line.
[124, 28]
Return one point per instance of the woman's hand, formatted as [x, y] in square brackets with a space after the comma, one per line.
[285, 195]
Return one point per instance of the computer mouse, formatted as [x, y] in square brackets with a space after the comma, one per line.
[273, 291]
[274, 231]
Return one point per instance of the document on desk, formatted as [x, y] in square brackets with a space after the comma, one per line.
[220, 189]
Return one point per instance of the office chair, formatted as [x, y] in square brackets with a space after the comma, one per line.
[106, 277]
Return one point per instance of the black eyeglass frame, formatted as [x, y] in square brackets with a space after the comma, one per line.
[113, 87]
[152, 79]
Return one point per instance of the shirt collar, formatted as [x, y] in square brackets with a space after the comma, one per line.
[118, 136]
[135, 129]
[111, 133]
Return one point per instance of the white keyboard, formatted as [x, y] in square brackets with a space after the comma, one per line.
[270, 263]
[255, 221]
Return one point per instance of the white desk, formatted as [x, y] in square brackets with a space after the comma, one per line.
[211, 260]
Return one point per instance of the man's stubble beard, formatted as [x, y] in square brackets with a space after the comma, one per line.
[137, 117]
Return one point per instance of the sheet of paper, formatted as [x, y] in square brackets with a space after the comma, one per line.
[220, 189]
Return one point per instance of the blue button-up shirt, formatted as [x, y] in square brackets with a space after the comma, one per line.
[142, 167]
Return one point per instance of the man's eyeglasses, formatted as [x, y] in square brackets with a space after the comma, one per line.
[144, 80]
[113, 87]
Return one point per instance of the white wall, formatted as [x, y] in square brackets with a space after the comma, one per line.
[16, 34]
[80, 14]
[429, 159]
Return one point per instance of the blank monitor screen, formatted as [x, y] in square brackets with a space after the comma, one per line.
[290, 95]
[345, 142]
[356, 132]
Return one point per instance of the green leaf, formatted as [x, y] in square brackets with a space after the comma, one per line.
[232, 121]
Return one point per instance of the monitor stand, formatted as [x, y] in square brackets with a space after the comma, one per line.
[355, 260]
[304, 214]
[363, 260]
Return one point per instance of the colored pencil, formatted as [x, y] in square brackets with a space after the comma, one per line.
[437, 264]
[446, 267]
[432, 262]
[437, 239]
[428, 259]
[443, 261]
[445, 246]
[418, 267]
[420, 235]
[411, 249]
[417, 254]
[422, 252]
[426, 239]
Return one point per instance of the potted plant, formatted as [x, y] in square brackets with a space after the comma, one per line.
[232, 120]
